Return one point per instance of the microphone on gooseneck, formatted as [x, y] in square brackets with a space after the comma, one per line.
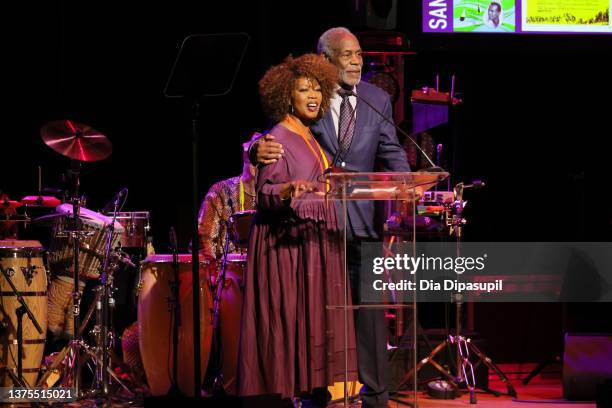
[115, 201]
[433, 168]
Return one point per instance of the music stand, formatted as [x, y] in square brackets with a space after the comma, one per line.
[206, 66]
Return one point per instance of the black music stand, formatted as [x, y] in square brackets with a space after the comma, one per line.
[206, 66]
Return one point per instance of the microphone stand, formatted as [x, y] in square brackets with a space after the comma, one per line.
[106, 281]
[175, 310]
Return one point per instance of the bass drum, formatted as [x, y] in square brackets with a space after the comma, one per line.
[155, 320]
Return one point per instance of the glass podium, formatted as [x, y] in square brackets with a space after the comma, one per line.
[406, 187]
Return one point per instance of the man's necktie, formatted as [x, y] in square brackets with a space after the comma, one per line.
[346, 122]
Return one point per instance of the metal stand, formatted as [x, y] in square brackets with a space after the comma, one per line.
[75, 233]
[102, 304]
[218, 382]
[465, 368]
[194, 79]
[174, 306]
[20, 311]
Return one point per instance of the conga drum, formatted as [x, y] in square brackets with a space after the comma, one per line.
[155, 319]
[23, 263]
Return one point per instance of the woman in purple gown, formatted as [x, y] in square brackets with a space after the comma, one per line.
[290, 342]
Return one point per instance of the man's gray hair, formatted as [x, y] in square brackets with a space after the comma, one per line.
[328, 40]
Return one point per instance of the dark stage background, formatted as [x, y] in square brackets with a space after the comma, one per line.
[535, 124]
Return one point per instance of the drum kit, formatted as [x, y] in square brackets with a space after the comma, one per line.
[41, 288]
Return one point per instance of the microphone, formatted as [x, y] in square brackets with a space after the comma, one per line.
[476, 184]
[115, 201]
[433, 168]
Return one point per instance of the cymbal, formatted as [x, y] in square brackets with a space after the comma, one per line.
[9, 205]
[41, 201]
[76, 140]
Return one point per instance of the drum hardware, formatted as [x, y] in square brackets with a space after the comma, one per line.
[174, 307]
[464, 346]
[109, 265]
[93, 354]
[80, 143]
[20, 311]
[218, 383]
[238, 228]
[28, 273]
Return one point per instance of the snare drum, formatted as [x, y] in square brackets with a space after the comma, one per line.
[155, 323]
[23, 262]
[91, 251]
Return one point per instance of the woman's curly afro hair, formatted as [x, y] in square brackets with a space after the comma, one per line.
[277, 84]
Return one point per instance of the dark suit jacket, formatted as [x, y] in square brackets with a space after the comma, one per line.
[374, 141]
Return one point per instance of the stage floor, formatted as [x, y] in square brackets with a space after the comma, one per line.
[545, 388]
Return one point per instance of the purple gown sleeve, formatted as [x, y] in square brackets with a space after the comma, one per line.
[270, 179]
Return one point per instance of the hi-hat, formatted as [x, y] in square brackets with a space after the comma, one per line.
[76, 140]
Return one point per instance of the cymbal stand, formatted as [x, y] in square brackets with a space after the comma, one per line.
[91, 352]
[103, 302]
[75, 233]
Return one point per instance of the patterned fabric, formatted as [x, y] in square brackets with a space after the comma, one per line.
[59, 313]
[346, 126]
[131, 351]
[221, 201]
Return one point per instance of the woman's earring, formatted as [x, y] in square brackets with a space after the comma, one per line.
[292, 111]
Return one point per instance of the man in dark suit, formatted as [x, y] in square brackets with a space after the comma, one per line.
[358, 138]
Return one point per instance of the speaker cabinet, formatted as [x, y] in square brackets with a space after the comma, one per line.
[587, 363]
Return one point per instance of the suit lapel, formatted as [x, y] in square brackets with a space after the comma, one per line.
[329, 133]
[360, 113]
